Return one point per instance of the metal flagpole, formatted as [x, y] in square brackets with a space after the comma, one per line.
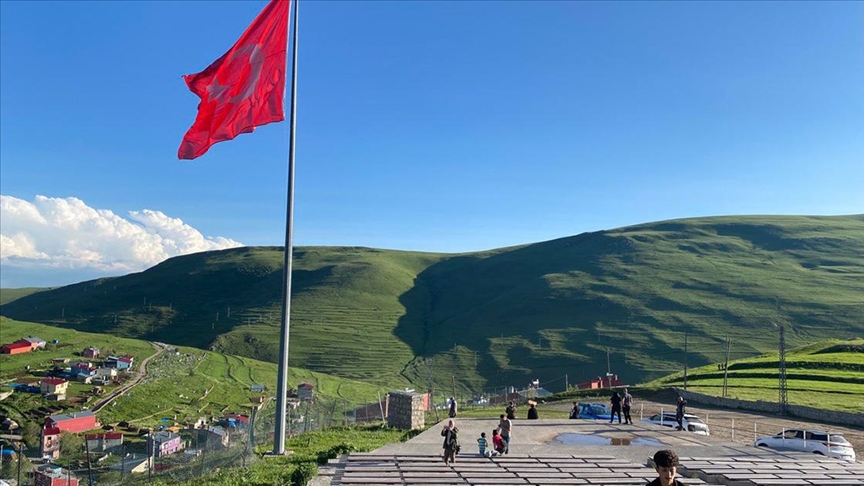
[282, 385]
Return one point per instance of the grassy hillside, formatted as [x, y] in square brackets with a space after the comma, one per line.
[504, 316]
[8, 295]
[825, 375]
[189, 384]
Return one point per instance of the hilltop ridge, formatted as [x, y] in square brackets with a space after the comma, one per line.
[502, 316]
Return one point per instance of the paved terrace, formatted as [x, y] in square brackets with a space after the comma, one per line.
[550, 452]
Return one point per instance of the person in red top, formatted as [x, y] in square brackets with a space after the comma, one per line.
[497, 442]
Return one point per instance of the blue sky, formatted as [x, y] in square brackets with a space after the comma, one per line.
[441, 125]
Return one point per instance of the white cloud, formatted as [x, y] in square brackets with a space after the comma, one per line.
[62, 234]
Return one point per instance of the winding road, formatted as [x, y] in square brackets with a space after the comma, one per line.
[142, 372]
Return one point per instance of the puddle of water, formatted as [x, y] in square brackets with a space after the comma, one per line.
[582, 439]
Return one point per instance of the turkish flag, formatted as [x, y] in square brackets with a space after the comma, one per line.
[244, 88]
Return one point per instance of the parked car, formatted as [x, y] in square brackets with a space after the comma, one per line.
[691, 423]
[593, 411]
[815, 441]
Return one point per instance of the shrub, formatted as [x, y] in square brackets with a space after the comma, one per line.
[303, 474]
[334, 452]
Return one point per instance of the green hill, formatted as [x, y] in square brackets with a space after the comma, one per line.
[827, 374]
[504, 316]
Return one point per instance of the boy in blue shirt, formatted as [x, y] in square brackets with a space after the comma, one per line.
[481, 444]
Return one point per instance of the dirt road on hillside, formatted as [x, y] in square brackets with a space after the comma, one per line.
[142, 372]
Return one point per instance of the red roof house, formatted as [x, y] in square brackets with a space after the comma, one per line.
[74, 422]
[50, 386]
[51, 442]
[18, 347]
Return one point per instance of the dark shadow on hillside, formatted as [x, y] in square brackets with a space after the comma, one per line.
[467, 300]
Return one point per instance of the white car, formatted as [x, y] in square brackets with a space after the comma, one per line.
[690, 422]
[815, 441]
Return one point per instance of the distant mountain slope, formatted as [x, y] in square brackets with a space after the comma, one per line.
[500, 317]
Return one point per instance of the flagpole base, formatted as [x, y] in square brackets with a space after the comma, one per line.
[272, 455]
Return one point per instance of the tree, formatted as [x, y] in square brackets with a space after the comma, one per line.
[32, 434]
[70, 444]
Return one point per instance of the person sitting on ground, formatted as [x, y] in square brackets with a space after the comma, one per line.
[666, 464]
[497, 442]
[511, 411]
[532, 411]
[481, 445]
[449, 432]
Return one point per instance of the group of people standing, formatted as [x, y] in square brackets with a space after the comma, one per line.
[619, 403]
[500, 434]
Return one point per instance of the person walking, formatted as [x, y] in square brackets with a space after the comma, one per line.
[452, 407]
[626, 403]
[679, 412]
[505, 427]
[451, 441]
[616, 407]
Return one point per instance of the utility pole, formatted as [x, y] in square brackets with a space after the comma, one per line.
[783, 401]
[566, 383]
[454, 386]
[726, 368]
[89, 466]
[685, 360]
[608, 363]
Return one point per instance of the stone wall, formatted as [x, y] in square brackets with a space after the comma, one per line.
[406, 410]
[800, 411]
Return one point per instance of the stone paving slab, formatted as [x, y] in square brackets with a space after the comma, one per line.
[791, 469]
[513, 469]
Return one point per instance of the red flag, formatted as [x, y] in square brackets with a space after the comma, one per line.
[244, 88]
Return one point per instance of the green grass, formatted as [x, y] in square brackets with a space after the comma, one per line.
[305, 451]
[817, 376]
[500, 317]
[225, 378]
[8, 295]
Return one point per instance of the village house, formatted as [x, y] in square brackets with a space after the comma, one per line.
[304, 391]
[50, 445]
[235, 421]
[53, 386]
[106, 372]
[18, 347]
[121, 363]
[91, 352]
[133, 463]
[74, 422]
[83, 368]
[104, 442]
[164, 443]
[609, 381]
[51, 475]
[211, 438]
[35, 342]
[257, 388]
